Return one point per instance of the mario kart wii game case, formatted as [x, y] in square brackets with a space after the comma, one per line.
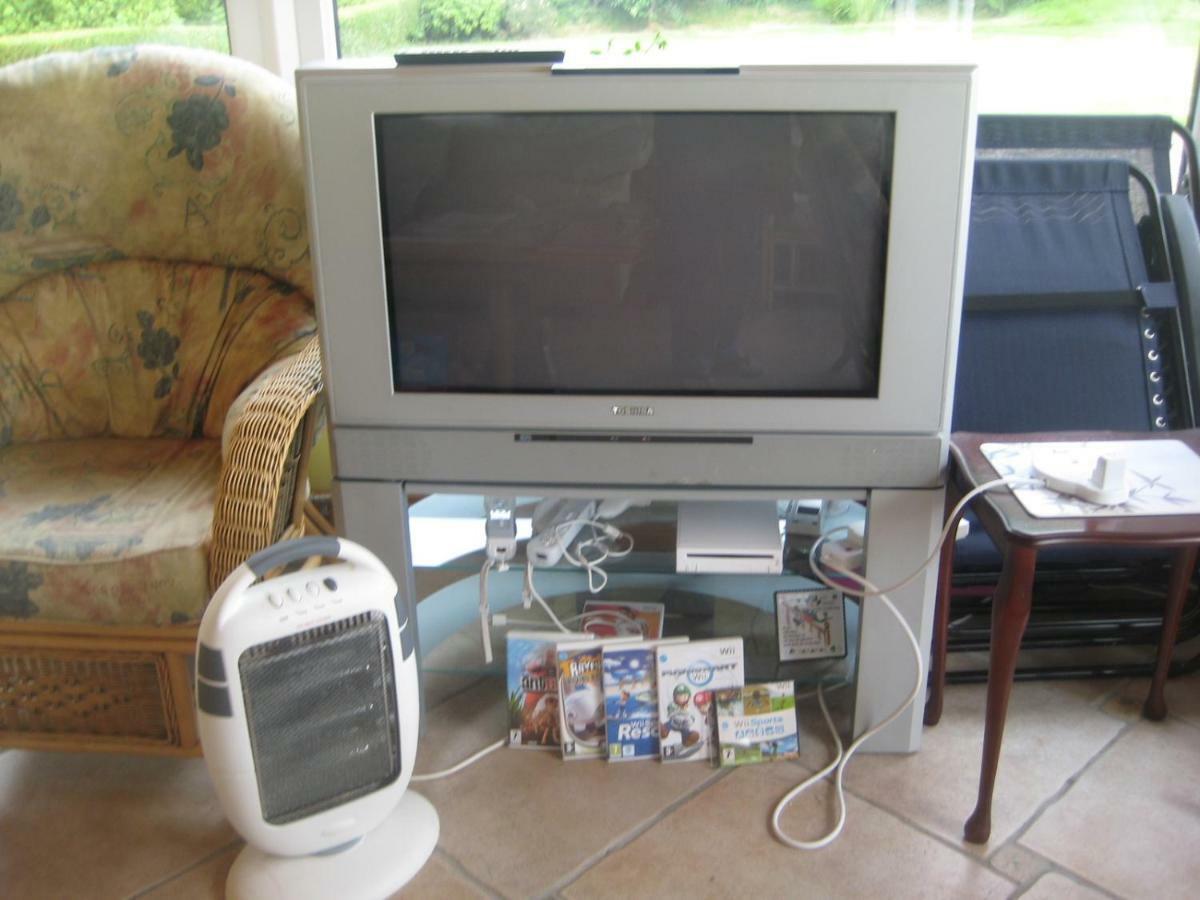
[631, 700]
[757, 723]
[688, 677]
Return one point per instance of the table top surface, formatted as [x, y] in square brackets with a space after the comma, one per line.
[999, 509]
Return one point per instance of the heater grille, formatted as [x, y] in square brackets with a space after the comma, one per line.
[321, 710]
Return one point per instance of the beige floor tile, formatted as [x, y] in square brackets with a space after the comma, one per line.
[439, 881]
[205, 881]
[1131, 823]
[1056, 886]
[1018, 863]
[100, 825]
[719, 845]
[1053, 729]
[521, 821]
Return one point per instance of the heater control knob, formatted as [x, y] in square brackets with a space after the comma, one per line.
[293, 595]
[275, 600]
[312, 587]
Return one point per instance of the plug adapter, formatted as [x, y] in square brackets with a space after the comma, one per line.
[500, 528]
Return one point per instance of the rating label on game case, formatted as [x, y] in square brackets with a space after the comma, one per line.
[811, 624]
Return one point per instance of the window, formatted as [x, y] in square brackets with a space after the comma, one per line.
[1079, 56]
[32, 27]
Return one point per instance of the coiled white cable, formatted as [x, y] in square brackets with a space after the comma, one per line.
[842, 758]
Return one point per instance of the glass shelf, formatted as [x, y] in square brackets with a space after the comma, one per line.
[697, 605]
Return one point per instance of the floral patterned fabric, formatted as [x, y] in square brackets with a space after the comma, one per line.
[149, 153]
[139, 348]
[153, 262]
[106, 530]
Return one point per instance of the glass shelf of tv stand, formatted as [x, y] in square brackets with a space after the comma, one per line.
[447, 533]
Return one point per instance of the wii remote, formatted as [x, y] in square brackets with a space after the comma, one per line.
[556, 523]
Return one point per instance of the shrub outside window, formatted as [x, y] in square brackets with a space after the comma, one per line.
[33, 27]
[1064, 56]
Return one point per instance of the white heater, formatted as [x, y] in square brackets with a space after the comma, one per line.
[307, 696]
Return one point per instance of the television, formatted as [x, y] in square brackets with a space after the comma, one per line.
[530, 273]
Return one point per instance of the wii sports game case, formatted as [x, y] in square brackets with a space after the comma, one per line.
[581, 696]
[532, 673]
[631, 700]
[642, 620]
[757, 723]
[688, 676]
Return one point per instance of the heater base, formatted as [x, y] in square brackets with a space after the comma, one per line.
[378, 865]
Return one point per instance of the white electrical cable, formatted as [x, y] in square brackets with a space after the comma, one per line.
[485, 610]
[603, 536]
[842, 758]
[1007, 480]
[473, 758]
[531, 591]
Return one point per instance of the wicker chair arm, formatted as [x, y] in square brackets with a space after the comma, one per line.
[261, 492]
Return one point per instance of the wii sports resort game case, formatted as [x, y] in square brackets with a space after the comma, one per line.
[688, 677]
[757, 723]
[631, 700]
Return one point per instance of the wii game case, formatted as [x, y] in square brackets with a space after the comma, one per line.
[642, 620]
[631, 700]
[532, 670]
[688, 675]
[581, 696]
[757, 723]
[810, 624]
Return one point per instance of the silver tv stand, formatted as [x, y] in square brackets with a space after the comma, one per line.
[904, 521]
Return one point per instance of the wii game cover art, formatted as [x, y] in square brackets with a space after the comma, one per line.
[688, 677]
[533, 717]
[631, 701]
[811, 624]
[642, 620]
[757, 723]
[581, 701]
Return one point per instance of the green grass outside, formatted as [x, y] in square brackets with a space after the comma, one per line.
[23, 46]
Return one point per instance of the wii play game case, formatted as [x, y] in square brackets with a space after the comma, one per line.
[688, 675]
[642, 620]
[631, 700]
[810, 624]
[757, 723]
[532, 672]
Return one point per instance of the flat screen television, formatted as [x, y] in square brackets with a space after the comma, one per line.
[706, 272]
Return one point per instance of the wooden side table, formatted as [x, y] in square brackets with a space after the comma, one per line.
[1020, 536]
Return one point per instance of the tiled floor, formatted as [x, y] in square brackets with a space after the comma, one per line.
[1092, 802]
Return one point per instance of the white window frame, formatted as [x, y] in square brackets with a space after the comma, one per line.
[281, 35]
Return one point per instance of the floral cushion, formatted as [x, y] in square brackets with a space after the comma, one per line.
[151, 153]
[139, 348]
[106, 530]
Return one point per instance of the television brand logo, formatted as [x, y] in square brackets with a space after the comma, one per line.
[633, 410]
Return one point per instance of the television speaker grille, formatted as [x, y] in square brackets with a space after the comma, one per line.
[321, 712]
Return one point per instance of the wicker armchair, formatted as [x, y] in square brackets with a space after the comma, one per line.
[159, 377]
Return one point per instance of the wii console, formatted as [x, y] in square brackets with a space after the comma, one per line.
[731, 537]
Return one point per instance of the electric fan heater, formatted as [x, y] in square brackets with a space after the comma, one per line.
[306, 688]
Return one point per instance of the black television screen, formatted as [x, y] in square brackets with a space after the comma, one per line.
[666, 253]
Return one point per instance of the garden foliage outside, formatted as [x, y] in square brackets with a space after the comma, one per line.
[1008, 30]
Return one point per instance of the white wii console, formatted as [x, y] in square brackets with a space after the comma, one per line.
[738, 537]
